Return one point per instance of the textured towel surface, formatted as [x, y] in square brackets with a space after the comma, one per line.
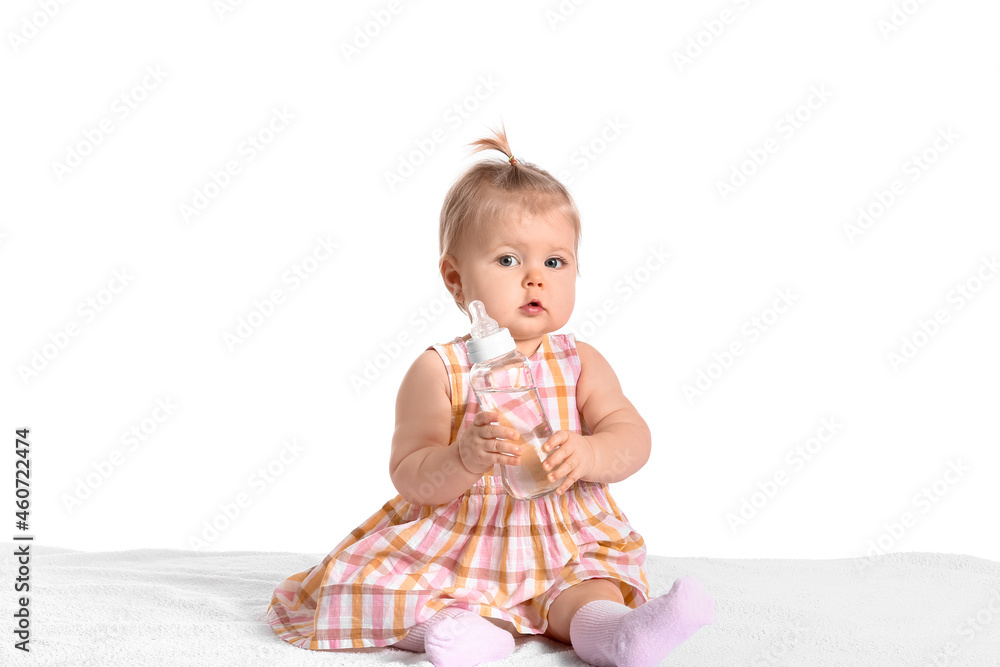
[171, 607]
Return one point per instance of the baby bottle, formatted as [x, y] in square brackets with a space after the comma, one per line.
[502, 382]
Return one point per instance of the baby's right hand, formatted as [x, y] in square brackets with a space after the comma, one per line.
[479, 448]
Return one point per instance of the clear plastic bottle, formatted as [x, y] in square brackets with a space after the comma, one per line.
[502, 382]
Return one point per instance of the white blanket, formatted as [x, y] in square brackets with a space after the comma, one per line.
[170, 607]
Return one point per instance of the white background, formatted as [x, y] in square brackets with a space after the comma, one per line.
[662, 135]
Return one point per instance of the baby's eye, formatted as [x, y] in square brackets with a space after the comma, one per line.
[559, 261]
[503, 260]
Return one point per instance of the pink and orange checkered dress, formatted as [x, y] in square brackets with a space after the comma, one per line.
[484, 551]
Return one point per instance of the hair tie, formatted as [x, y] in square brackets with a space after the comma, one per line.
[512, 160]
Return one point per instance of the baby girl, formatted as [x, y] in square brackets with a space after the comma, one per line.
[453, 565]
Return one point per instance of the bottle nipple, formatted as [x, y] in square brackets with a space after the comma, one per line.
[482, 324]
[488, 340]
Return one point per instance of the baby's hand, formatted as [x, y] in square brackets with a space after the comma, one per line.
[574, 458]
[479, 447]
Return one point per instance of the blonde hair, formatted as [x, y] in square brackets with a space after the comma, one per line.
[492, 190]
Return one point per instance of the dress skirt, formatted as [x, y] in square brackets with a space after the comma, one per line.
[485, 551]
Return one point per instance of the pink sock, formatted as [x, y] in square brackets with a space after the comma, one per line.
[458, 638]
[609, 634]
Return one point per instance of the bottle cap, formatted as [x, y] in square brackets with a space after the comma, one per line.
[488, 339]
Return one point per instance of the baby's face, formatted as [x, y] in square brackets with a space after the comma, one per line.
[525, 259]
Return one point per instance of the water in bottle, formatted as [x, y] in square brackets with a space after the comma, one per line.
[501, 379]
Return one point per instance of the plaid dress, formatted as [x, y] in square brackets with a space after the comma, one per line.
[485, 551]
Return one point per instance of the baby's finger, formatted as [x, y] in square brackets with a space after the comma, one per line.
[505, 453]
[557, 438]
[485, 418]
[565, 469]
[555, 458]
[504, 447]
[557, 451]
[491, 431]
[566, 484]
[505, 460]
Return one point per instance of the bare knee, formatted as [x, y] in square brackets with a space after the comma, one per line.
[606, 589]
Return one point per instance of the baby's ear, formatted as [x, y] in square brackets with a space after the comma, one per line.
[449, 273]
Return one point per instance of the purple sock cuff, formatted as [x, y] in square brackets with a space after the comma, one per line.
[597, 615]
[414, 639]
[593, 628]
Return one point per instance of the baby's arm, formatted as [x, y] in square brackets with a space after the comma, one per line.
[423, 467]
[619, 435]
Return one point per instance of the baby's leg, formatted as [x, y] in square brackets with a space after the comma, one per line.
[566, 604]
[607, 633]
[458, 638]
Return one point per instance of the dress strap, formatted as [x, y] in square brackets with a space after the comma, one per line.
[456, 375]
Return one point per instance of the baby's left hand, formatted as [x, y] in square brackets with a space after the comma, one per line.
[574, 458]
